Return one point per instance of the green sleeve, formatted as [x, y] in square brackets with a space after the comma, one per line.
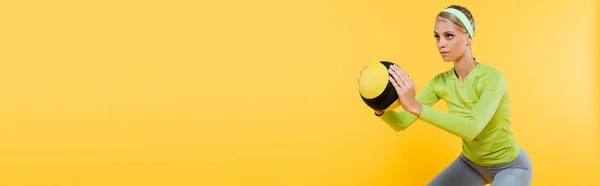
[493, 89]
[402, 119]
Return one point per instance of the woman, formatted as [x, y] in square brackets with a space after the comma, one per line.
[478, 109]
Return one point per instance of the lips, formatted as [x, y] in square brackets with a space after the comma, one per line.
[444, 52]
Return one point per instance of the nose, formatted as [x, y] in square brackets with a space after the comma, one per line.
[441, 43]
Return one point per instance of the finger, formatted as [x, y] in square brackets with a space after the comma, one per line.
[396, 86]
[360, 75]
[412, 82]
[404, 77]
[405, 80]
[395, 73]
[400, 70]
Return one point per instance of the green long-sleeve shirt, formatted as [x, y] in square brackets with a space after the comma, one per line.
[478, 112]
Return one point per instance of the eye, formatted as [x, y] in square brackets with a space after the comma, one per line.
[437, 37]
[449, 36]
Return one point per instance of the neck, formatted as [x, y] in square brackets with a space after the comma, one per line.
[464, 65]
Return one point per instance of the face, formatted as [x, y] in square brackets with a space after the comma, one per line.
[451, 42]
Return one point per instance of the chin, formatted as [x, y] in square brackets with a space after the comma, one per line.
[447, 59]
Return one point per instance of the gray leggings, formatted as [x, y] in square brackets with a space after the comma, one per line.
[463, 172]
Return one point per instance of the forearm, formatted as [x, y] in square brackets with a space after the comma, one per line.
[465, 127]
[398, 120]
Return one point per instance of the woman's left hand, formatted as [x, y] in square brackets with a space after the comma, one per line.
[405, 87]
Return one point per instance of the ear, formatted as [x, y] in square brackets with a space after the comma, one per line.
[468, 40]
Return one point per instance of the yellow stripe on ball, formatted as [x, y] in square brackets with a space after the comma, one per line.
[394, 105]
[373, 80]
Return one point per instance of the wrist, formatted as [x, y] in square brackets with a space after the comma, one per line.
[415, 109]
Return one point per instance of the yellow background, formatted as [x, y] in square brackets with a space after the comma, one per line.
[264, 92]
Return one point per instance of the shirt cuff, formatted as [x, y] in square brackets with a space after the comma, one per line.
[426, 113]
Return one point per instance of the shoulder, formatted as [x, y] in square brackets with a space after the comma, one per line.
[486, 71]
[489, 76]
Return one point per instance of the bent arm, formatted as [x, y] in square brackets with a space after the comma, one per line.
[494, 88]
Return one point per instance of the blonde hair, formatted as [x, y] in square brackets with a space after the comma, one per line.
[455, 21]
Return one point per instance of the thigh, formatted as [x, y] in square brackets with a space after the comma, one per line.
[513, 177]
[518, 174]
[458, 173]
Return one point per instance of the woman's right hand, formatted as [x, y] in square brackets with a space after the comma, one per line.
[361, 74]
